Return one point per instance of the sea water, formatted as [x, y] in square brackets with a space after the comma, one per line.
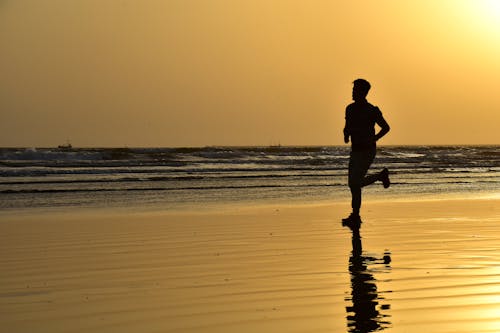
[176, 178]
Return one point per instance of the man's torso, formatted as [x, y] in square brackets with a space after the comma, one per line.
[360, 122]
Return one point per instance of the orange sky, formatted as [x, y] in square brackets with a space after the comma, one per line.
[245, 72]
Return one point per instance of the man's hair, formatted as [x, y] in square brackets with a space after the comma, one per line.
[363, 85]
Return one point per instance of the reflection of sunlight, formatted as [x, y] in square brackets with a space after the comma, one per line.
[494, 300]
[492, 196]
[493, 324]
[487, 301]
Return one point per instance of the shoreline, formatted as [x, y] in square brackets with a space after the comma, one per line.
[208, 208]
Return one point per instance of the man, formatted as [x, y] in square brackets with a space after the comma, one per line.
[360, 120]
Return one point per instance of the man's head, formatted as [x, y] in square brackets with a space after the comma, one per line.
[360, 89]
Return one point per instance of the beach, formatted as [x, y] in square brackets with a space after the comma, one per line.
[425, 265]
[197, 166]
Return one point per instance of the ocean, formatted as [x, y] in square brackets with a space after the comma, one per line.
[191, 178]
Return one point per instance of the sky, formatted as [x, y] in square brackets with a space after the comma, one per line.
[172, 73]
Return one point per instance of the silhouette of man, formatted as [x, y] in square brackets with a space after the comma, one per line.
[360, 120]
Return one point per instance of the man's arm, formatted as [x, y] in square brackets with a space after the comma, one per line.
[346, 135]
[384, 127]
[346, 128]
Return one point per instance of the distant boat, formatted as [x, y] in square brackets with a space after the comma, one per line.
[67, 146]
[275, 146]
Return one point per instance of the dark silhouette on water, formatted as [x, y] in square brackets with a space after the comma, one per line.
[360, 120]
[365, 314]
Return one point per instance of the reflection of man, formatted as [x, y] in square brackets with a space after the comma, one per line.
[363, 315]
[360, 120]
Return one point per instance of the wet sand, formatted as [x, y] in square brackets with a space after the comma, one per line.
[421, 266]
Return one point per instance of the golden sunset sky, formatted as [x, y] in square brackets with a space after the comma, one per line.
[245, 72]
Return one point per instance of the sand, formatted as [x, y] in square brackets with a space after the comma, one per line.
[426, 266]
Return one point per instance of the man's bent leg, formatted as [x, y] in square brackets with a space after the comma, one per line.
[366, 161]
[370, 179]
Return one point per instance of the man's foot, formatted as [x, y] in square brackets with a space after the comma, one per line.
[384, 177]
[352, 221]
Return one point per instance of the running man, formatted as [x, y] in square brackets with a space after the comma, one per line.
[360, 120]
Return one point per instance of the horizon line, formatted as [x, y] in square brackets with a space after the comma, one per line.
[243, 146]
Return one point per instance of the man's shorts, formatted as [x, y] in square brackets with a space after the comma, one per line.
[359, 163]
